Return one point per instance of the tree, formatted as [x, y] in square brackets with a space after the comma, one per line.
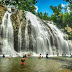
[67, 0]
[53, 17]
[27, 5]
[45, 17]
[65, 8]
[57, 16]
[66, 19]
[40, 15]
[69, 5]
[56, 9]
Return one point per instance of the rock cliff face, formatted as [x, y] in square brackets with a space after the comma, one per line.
[18, 19]
[3, 9]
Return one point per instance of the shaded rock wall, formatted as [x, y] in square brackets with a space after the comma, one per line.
[3, 9]
[18, 18]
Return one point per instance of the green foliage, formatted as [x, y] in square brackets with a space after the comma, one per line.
[67, 0]
[27, 5]
[67, 19]
[56, 9]
[43, 16]
[40, 15]
[62, 20]
[70, 36]
[57, 17]
[53, 17]
[70, 4]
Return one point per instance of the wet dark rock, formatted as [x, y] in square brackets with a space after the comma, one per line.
[1, 43]
[3, 9]
[17, 19]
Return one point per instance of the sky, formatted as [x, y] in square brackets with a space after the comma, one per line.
[44, 5]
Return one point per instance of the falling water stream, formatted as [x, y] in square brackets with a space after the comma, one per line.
[45, 38]
[7, 37]
[40, 37]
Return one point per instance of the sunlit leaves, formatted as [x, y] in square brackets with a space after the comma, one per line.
[27, 5]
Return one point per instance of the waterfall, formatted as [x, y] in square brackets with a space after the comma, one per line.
[62, 44]
[40, 37]
[26, 38]
[45, 38]
[7, 35]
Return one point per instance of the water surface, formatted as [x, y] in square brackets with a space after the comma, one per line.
[32, 64]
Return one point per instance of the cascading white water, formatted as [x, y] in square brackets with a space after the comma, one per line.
[70, 46]
[26, 37]
[40, 37]
[8, 38]
[62, 44]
